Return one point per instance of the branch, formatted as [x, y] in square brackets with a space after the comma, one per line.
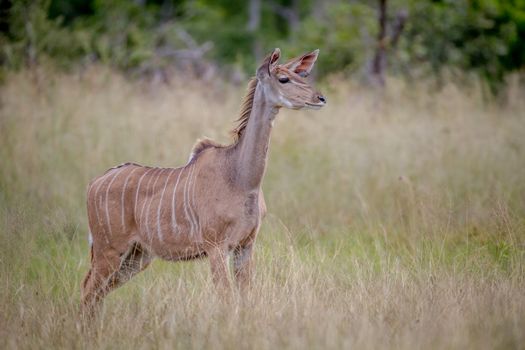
[398, 27]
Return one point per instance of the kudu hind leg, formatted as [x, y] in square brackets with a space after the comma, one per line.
[110, 272]
[97, 282]
[134, 262]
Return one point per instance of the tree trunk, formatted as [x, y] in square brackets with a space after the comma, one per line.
[379, 62]
[254, 21]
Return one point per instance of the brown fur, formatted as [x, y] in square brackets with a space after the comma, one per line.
[210, 207]
[203, 144]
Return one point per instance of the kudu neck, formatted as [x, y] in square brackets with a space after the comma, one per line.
[253, 143]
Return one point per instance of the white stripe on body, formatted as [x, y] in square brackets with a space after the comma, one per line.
[174, 204]
[100, 181]
[137, 193]
[151, 200]
[107, 202]
[187, 185]
[103, 177]
[192, 206]
[90, 214]
[123, 195]
[159, 230]
[146, 201]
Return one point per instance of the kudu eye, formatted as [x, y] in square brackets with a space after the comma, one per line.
[284, 80]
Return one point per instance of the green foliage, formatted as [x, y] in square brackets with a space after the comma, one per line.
[32, 33]
[226, 27]
[480, 36]
[339, 34]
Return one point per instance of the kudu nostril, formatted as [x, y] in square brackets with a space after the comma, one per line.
[321, 98]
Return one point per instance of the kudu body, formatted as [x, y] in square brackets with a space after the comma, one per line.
[210, 207]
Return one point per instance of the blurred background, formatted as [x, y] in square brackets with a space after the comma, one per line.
[396, 214]
[413, 38]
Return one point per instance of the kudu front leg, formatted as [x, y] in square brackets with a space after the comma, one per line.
[219, 270]
[243, 266]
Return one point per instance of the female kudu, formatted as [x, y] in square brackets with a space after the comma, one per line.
[211, 206]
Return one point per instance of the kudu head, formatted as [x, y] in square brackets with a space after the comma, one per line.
[285, 85]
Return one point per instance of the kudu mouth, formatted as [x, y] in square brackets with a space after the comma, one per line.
[317, 105]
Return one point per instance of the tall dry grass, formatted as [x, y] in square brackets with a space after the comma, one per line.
[398, 224]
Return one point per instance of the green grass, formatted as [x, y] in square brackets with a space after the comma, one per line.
[398, 224]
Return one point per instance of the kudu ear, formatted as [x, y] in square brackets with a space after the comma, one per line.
[268, 64]
[303, 65]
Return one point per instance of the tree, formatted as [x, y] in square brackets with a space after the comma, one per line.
[385, 42]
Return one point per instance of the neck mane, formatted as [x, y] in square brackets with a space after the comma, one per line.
[244, 115]
[246, 110]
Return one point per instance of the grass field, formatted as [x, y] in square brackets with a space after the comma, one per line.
[398, 224]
